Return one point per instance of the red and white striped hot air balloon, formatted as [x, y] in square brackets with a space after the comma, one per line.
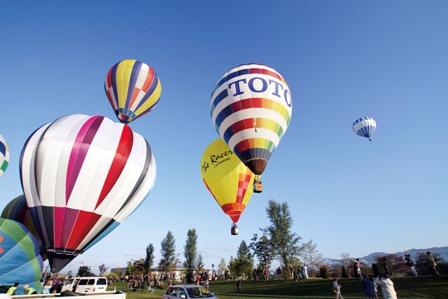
[82, 176]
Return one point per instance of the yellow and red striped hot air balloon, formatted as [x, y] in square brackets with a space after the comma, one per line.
[251, 108]
[228, 179]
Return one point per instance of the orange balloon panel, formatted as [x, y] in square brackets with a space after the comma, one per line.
[227, 178]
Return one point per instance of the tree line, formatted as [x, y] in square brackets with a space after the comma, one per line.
[276, 242]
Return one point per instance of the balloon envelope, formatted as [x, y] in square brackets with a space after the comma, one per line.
[364, 126]
[251, 109]
[17, 209]
[227, 178]
[4, 155]
[133, 89]
[82, 176]
[20, 260]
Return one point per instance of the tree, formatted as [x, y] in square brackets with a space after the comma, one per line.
[168, 252]
[84, 271]
[222, 267]
[190, 254]
[284, 242]
[139, 267]
[130, 268]
[262, 248]
[311, 256]
[323, 272]
[243, 264]
[103, 269]
[149, 260]
[395, 263]
[200, 263]
[346, 261]
[118, 272]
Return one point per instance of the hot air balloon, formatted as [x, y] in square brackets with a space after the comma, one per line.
[82, 176]
[17, 209]
[133, 89]
[4, 155]
[251, 108]
[364, 127]
[228, 180]
[20, 260]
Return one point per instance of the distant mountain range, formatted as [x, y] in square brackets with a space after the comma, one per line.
[369, 259]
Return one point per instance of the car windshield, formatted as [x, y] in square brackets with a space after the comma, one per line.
[198, 292]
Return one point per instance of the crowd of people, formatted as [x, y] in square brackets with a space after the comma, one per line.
[383, 281]
[27, 290]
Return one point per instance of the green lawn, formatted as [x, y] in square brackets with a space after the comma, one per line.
[406, 287]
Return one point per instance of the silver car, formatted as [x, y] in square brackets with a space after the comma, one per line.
[187, 291]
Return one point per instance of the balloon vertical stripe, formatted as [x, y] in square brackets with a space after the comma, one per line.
[111, 90]
[121, 157]
[85, 220]
[80, 149]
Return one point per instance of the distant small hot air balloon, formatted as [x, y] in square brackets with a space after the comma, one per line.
[228, 180]
[133, 89]
[251, 108]
[20, 260]
[4, 155]
[364, 127]
[82, 176]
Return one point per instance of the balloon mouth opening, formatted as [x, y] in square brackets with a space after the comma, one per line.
[58, 259]
[234, 215]
[125, 115]
[256, 165]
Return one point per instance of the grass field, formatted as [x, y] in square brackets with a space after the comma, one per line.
[406, 287]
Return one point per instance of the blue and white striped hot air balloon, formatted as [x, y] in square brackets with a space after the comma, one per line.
[364, 127]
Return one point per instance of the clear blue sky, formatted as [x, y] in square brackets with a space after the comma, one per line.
[341, 59]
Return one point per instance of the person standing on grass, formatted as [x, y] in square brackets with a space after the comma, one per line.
[387, 286]
[238, 285]
[305, 271]
[432, 264]
[410, 263]
[357, 268]
[337, 289]
[369, 288]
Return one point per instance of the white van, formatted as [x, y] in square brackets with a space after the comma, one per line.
[85, 285]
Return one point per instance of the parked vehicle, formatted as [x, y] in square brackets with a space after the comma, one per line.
[85, 285]
[187, 292]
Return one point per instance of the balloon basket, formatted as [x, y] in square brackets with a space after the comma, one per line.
[258, 187]
[234, 230]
